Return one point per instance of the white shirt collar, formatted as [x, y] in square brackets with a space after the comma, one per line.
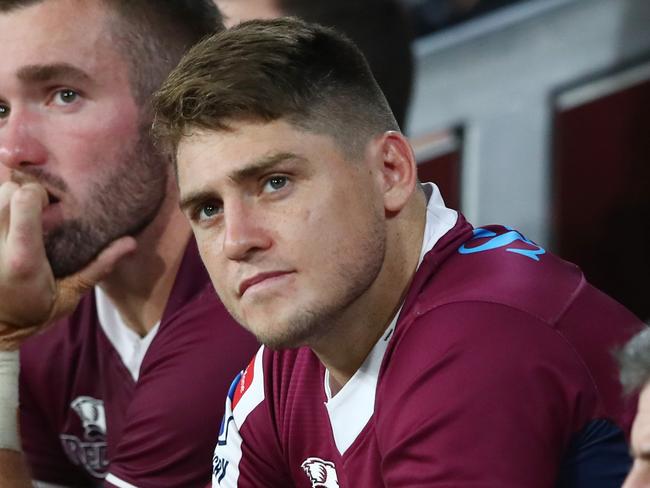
[128, 344]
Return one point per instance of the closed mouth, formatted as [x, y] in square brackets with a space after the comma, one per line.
[246, 284]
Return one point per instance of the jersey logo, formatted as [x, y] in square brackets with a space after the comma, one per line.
[91, 451]
[322, 474]
[502, 240]
[92, 415]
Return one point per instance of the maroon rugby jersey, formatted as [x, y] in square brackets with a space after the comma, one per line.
[497, 373]
[83, 415]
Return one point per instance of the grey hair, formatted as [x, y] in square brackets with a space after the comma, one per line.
[634, 361]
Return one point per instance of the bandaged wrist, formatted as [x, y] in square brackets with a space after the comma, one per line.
[9, 368]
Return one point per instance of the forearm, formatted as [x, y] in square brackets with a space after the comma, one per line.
[13, 471]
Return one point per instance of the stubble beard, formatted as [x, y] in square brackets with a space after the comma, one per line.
[123, 203]
[354, 273]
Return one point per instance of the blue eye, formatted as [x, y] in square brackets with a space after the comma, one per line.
[208, 211]
[275, 183]
[65, 97]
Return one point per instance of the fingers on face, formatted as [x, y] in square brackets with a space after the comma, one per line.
[24, 241]
[6, 191]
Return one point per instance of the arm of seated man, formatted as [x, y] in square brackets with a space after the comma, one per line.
[13, 470]
[31, 299]
[485, 404]
[13, 467]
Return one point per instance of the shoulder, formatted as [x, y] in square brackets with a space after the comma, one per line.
[523, 288]
[500, 265]
[484, 360]
[484, 334]
[493, 353]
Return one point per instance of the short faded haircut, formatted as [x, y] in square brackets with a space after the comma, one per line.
[380, 29]
[151, 34]
[265, 70]
[634, 360]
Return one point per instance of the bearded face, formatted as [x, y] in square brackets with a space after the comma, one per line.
[122, 202]
[69, 120]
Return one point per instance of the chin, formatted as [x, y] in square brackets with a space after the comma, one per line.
[277, 343]
[300, 331]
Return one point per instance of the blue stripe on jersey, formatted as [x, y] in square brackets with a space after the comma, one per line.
[231, 395]
[233, 386]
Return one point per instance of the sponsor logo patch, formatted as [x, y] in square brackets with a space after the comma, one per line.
[219, 466]
[244, 383]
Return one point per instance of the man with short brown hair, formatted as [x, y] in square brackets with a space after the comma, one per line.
[402, 346]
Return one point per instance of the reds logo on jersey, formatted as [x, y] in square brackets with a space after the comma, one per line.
[91, 451]
[322, 474]
[92, 415]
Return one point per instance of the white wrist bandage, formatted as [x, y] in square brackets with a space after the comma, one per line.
[9, 367]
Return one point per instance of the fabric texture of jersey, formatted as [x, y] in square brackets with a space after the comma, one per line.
[498, 372]
[85, 420]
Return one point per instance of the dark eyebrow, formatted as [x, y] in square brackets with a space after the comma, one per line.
[251, 171]
[262, 165]
[40, 73]
[193, 198]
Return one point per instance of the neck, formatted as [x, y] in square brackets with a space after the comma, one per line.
[140, 285]
[347, 344]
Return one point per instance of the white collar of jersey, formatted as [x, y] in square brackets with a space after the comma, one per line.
[351, 408]
[128, 344]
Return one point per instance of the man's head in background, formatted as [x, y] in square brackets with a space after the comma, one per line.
[635, 376]
[75, 83]
[293, 174]
[378, 27]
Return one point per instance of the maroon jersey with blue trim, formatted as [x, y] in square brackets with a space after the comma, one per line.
[83, 416]
[498, 372]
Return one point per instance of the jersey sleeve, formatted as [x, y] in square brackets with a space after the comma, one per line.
[480, 395]
[41, 444]
[247, 454]
[173, 419]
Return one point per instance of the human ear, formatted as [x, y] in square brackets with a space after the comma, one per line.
[398, 170]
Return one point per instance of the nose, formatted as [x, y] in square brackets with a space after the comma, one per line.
[20, 145]
[245, 231]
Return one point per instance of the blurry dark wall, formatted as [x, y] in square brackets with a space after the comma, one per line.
[602, 189]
